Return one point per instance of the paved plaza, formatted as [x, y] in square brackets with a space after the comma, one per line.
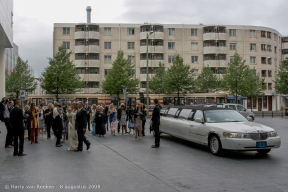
[122, 163]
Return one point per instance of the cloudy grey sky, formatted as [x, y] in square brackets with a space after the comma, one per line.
[34, 19]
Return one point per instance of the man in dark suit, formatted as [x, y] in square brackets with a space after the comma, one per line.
[156, 122]
[119, 116]
[58, 122]
[81, 124]
[48, 114]
[88, 110]
[106, 108]
[16, 120]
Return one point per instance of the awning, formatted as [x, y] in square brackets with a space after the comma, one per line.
[239, 97]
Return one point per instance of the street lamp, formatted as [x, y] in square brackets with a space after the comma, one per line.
[147, 80]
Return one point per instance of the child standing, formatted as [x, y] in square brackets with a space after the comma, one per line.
[114, 126]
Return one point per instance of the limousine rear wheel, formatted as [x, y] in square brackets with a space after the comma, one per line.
[215, 145]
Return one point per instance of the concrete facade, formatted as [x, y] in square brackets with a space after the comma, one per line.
[6, 37]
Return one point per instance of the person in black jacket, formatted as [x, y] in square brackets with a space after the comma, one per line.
[144, 120]
[58, 122]
[156, 122]
[16, 120]
[27, 121]
[48, 114]
[119, 116]
[105, 111]
[81, 124]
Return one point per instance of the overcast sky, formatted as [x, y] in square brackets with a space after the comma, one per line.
[34, 19]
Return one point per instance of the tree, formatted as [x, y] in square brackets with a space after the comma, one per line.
[157, 82]
[20, 79]
[236, 76]
[255, 84]
[120, 76]
[61, 77]
[281, 80]
[207, 80]
[179, 78]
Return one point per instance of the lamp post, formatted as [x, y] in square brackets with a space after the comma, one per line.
[147, 79]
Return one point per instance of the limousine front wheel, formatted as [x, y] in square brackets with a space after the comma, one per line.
[215, 145]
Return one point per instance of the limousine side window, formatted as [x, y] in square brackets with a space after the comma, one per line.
[171, 112]
[232, 107]
[185, 114]
[198, 114]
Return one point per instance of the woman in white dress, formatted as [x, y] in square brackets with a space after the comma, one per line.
[72, 132]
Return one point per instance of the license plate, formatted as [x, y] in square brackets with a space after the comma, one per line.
[261, 144]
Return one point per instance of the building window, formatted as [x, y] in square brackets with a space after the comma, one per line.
[194, 59]
[66, 45]
[275, 37]
[130, 31]
[269, 48]
[171, 31]
[66, 31]
[252, 33]
[93, 84]
[131, 45]
[107, 31]
[171, 58]
[232, 46]
[253, 60]
[80, 70]
[268, 34]
[269, 73]
[263, 60]
[269, 61]
[263, 73]
[231, 59]
[269, 86]
[232, 32]
[93, 71]
[263, 33]
[171, 45]
[252, 47]
[194, 46]
[107, 45]
[275, 49]
[263, 47]
[193, 32]
[106, 71]
[107, 58]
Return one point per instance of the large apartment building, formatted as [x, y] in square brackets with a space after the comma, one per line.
[95, 46]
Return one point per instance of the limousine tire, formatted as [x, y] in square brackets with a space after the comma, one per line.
[215, 144]
[263, 151]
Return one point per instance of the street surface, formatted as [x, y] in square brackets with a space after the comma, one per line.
[122, 163]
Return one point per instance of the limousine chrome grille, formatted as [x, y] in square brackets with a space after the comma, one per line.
[258, 136]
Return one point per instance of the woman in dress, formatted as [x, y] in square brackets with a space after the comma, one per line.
[93, 113]
[138, 121]
[34, 123]
[124, 119]
[111, 113]
[72, 132]
[100, 124]
[41, 121]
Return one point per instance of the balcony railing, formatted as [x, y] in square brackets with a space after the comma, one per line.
[151, 63]
[80, 35]
[90, 77]
[285, 45]
[93, 49]
[155, 35]
[93, 35]
[91, 90]
[215, 50]
[215, 63]
[143, 76]
[80, 49]
[87, 63]
[152, 49]
[214, 36]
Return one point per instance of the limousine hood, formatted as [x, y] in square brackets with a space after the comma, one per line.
[242, 127]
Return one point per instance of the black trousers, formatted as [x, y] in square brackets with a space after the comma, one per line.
[58, 136]
[81, 139]
[9, 136]
[18, 147]
[143, 127]
[118, 128]
[48, 125]
[88, 121]
[157, 135]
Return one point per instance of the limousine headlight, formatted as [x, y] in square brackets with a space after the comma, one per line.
[236, 135]
[272, 134]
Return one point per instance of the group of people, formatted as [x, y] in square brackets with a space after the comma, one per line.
[69, 122]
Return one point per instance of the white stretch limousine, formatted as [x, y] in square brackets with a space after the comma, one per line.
[218, 128]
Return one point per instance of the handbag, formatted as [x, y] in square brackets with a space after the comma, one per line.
[131, 125]
[151, 127]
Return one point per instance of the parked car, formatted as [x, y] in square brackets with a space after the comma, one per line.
[218, 128]
[237, 107]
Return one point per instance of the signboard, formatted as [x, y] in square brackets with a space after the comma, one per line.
[22, 94]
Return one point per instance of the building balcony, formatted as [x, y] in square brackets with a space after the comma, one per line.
[90, 77]
[152, 49]
[79, 63]
[215, 50]
[87, 63]
[93, 63]
[285, 45]
[143, 77]
[215, 63]
[79, 49]
[84, 77]
[155, 35]
[93, 35]
[91, 90]
[151, 63]
[80, 35]
[214, 36]
[94, 49]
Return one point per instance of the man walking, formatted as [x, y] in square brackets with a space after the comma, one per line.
[16, 119]
[6, 116]
[88, 110]
[81, 124]
[156, 122]
[48, 114]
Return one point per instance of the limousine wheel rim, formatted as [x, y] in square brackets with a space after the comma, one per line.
[214, 144]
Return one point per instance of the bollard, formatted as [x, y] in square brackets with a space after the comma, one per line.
[272, 114]
[262, 114]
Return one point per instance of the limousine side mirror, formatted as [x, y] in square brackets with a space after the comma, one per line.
[198, 120]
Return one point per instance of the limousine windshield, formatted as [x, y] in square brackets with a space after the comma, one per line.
[220, 116]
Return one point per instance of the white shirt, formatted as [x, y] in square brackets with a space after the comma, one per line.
[55, 112]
